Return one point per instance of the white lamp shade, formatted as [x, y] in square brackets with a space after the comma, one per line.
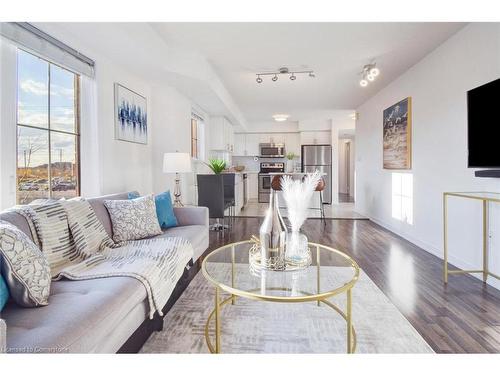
[176, 162]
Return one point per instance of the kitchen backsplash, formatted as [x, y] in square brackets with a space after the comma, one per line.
[254, 165]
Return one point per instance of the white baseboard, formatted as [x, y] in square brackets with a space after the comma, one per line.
[453, 260]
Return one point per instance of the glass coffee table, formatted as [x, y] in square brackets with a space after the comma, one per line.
[332, 272]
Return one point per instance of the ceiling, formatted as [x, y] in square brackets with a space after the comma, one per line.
[335, 51]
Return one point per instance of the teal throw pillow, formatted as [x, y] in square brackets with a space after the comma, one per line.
[4, 293]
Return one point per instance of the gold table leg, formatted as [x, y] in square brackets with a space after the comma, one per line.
[217, 321]
[233, 297]
[445, 238]
[349, 321]
[485, 240]
[318, 267]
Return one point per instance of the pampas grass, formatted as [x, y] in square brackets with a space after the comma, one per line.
[298, 194]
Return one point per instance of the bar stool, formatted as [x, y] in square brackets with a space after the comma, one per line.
[320, 187]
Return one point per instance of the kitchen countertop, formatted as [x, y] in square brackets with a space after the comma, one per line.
[243, 172]
[293, 173]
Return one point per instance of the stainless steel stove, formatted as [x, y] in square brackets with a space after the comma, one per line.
[265, 178]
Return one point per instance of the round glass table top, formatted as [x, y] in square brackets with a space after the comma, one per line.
[331, 272]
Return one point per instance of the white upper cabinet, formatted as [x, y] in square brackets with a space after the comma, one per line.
[252, 141]
[292, 143]
[315, 137]
[240, 144]
[221, 134]
[247, 144]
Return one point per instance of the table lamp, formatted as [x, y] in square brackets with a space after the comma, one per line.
[177, 162]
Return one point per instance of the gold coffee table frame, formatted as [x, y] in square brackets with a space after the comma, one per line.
[306, 297]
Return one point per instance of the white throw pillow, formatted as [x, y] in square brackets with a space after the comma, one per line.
[133, 219]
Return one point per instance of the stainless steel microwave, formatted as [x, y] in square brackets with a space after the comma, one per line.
[272, 150]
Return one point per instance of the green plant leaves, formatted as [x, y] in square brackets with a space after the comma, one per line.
[216, 165]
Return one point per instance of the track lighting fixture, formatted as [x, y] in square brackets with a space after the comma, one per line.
[368, 74]
[284, 70]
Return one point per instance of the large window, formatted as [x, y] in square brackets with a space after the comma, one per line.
[197, 137]
[47, 130]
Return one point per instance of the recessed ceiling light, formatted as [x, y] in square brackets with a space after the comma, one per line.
[280, 117]
[363, 83]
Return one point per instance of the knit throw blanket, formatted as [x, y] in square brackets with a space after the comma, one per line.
[77, 247]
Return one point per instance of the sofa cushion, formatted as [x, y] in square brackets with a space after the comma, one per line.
[196, 234]
[81, 315]
[133, 219]
[24, 267]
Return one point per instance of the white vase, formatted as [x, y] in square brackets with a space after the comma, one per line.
[289, 166]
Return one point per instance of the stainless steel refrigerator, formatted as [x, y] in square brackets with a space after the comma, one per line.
[319, 157]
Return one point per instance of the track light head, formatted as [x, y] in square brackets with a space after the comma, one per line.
[312, 75]
[292, 77]
[374, 71]
[275, 78]
[259, 80]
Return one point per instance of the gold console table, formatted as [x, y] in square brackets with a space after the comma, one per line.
[486, 198]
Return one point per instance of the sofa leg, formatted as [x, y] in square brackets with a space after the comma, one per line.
[158, 323]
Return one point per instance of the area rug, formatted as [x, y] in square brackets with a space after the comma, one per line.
[265, 327]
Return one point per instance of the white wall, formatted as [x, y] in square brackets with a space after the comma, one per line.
[173, 133]
[438, 86]
[123, 166]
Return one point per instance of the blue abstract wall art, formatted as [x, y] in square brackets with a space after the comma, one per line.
[131, 116]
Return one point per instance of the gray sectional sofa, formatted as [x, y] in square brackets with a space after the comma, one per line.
[102, 315]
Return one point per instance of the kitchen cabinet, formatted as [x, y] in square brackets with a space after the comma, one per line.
[315, 137]
[240, 145]
[221, 134]
[247, 144]
[292, 143]
[252, 144]
[253, 186]
[238, 192]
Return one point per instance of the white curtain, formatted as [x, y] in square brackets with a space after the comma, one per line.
[90, 167]
[8, 139]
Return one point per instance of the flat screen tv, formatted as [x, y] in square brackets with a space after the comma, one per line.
[484, 126]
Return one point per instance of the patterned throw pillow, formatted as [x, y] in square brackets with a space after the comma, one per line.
[24, 267]
[133, 219]
[51, 224]
[87, 231]
[164, 209]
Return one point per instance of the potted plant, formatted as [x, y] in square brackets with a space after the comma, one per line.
[289, 164]
[216, 165]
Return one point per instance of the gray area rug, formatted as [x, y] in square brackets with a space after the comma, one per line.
[265, 327]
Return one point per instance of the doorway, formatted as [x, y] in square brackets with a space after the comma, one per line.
[346, 167]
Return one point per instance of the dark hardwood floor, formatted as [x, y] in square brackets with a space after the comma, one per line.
[463, 317]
